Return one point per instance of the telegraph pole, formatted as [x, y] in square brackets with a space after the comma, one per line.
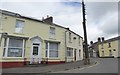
[86, 60]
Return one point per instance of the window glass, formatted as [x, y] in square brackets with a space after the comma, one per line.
[15, 43]
[53, 49]
[69, 52]
[14, 52]
[52, 32]
[109, 45]
[19, 26]
[15, 47]
[35, 50]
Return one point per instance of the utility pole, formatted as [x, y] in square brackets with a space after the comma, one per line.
[86, 60]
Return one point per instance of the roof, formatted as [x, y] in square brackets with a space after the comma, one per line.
[108, 40]
[112, 39]
[30, 18]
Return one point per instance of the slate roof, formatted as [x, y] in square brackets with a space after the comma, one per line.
[31, 18]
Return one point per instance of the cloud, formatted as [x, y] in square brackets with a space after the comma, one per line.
[110, 23]
[101, 16]
[102, 19]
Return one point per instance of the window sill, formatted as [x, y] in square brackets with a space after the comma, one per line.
[52, 38]
[19, 33]
[53, 58]
[12, 57]
[69, 56]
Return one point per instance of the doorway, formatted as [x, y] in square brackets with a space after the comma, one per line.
[35, 57]
[75, 55]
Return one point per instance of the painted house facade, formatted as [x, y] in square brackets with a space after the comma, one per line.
[110, 47]
[25, 40]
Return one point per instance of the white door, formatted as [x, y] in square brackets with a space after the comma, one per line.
[35, 54]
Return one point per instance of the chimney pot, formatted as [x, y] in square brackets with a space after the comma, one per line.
[103, 39]
[47, 16]
[99, 39]
[91, 42]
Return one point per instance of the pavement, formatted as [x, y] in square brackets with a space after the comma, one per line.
[104, 65]
[49, 68]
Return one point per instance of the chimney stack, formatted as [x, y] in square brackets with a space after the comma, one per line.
[103, 39]
[99, 39]
[48, 20]
[91, 42]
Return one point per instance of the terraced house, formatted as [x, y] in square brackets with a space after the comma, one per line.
[107, 48]
[25, 40]
[110, 47]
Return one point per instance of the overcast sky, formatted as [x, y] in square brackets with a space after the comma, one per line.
[102, 17]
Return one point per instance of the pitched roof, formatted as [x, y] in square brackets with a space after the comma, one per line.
[31, 18]
[112, 39]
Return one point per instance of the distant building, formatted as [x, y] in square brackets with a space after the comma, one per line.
[109, 48]
[106, 48]
[25, 40]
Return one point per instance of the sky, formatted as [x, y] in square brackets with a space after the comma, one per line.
[101, 16]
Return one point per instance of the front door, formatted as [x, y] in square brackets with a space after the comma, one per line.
[35, 54]
[75, 54]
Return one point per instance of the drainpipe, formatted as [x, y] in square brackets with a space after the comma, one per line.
[65, 48]
[0, 26]
[1, 23]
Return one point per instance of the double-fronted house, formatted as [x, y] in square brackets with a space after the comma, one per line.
[25, 40]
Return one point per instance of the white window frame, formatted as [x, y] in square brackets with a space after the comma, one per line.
[52, 33]
[7, 46]
[16, 30]
[48, 50]
[71, 52]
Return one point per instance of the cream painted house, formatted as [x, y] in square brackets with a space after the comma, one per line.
[109, 48]
[74, 46]
[25, 40]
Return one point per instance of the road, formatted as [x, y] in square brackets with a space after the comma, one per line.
[104, 65]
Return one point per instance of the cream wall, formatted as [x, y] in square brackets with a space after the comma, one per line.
[32, 29]
[75, 45]
[35, 28]
[114, 45]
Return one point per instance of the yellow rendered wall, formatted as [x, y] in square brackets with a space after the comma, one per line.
[32, 29]
[75, 45]
[114, 45]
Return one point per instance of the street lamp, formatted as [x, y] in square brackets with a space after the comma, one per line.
[86, 60]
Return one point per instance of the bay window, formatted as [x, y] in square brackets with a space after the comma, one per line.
[51, 49]
[13, 47]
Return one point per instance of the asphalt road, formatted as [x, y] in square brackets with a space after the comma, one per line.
[104, 65]
[47, 68]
